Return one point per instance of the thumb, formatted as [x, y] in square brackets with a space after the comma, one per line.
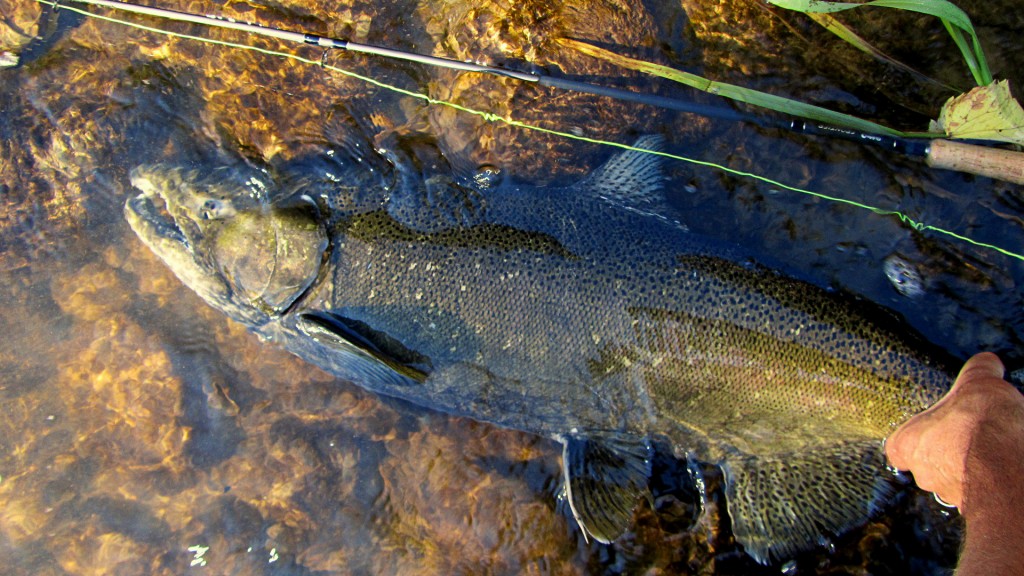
[900, 445]
[978, 368]
[983, 366]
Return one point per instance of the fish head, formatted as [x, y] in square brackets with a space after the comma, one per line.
[244, 254]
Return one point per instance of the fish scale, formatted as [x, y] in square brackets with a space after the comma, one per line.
[586, 313]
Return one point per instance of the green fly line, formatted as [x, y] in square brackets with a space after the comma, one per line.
[492, 117]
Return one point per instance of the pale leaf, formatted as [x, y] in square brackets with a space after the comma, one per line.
[985, 113]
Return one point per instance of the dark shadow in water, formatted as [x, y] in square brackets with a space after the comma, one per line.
[133, 519]
[55, 26]
[213, 393]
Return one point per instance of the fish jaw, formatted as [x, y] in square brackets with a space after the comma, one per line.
[160, 232]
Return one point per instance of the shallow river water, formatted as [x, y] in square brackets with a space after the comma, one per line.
[141, 432]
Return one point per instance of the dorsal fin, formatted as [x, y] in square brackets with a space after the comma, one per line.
[604, 477]
[631, 179]
[792, 502]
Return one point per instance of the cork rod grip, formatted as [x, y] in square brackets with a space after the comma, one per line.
[981, 160]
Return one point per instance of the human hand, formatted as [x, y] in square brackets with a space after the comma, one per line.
[955, 447]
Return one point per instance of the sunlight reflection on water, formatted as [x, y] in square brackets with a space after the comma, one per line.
[142, 432]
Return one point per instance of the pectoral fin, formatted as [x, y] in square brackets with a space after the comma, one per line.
[789, 503]
[604, 477]
[364, 350]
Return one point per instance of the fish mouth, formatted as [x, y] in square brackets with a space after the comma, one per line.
[154, 216]
[164, 225]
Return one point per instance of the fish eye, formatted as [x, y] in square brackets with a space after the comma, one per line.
[214, 209]
[210, 208]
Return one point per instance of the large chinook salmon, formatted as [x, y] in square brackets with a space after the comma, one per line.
[586, 313]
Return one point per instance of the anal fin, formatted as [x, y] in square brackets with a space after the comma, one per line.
[604, 477]
[792, 502]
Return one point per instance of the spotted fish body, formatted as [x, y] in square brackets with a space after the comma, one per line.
[586, 313]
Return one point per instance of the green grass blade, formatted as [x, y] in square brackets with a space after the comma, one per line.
[965, 49]
[738, 93]
[817, 6]
[985, 73]
[833, 25]
[953, 18]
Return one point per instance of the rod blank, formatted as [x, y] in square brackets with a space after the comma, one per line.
[303, 38]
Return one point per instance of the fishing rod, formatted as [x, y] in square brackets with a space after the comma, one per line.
[938, 153]
[323, 42]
